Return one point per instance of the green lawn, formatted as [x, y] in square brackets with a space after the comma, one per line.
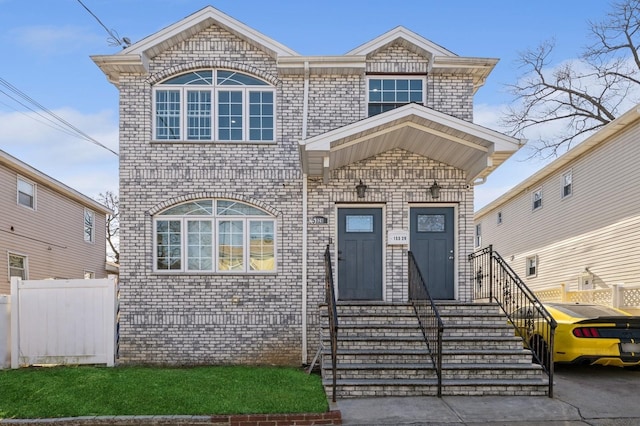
[99, 391]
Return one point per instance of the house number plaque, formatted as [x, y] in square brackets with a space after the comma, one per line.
[318, 220]
[397, 237]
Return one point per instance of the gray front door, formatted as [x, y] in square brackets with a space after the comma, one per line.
[360, 254]
[431, 241]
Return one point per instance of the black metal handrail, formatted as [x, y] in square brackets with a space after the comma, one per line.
[496, 281]
[330, 296]
[428, 317]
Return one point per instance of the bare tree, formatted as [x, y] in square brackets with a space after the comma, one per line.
[112, 201]
[581, 95]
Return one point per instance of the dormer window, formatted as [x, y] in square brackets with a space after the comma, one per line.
[387, 93]
[214, 105]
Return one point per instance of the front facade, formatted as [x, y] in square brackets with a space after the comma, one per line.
[576, 221]
[48, 230]
[239, 162]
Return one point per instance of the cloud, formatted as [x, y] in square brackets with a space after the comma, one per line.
[75, 162]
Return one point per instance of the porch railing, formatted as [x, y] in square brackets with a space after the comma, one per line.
[496, 281]
[428, 317]
[330, 296]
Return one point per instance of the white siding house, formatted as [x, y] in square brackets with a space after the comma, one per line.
[577, 220]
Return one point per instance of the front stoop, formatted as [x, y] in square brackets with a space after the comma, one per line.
[381, 352]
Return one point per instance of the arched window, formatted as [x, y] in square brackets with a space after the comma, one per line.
[214, 105]
[214, 236]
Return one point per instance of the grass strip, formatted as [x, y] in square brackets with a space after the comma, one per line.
[100, 391]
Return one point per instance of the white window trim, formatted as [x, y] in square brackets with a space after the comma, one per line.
[477, 236]
[35, 192]
[215, 219]
[526, 265]
[93, 226]
[93, 275]
[215, 89]
[397, 77]
[533, 199]
[26, 264]
[562, 185]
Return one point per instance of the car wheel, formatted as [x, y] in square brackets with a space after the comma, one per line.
[541, 351]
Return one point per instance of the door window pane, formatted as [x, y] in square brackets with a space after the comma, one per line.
[359, 223]
[431, 223]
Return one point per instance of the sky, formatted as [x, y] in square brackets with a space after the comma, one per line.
[45, 46]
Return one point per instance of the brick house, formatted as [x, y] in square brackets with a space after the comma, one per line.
[239, 162]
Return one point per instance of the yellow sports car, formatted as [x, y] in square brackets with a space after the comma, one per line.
[585, 334]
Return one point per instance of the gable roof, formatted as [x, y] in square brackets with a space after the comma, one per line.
[408, 39]
[38, 177]
[475, 149]
[604, 134]
[135, 58]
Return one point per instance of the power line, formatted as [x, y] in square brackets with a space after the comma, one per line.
[59, 122]
[114, 39]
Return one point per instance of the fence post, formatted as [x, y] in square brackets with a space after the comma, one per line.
[490, 272]
[563, 292]
[616, 295]
[15, 326]
[5, 331]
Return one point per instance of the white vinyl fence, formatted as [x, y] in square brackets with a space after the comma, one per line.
[618, 296]
[63, 322]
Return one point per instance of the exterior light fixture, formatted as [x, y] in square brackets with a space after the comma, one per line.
[361, 189]
[435, 190]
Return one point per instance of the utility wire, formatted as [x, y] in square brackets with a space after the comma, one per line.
[114, 38]
[64, 126]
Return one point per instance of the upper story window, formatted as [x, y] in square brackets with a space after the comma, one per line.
[214, 105]
[89, 225]
[499, 218]
[536, 199]
[17, 266]
[214, 236]
[478, 236]
[26, 193]
[567, 184]
[385, 94]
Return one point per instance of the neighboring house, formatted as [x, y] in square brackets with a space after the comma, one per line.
[577, 220]
[47, 230]
[240, 161]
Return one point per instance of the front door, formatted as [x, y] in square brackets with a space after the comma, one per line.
[431, 241]
[360, 254]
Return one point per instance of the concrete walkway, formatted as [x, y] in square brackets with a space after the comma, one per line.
[582, 396]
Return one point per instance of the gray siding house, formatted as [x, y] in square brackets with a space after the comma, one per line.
[241, 161]
[576, 221]
[47, 230]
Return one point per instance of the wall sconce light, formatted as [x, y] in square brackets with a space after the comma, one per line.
[361, 189]
[435, 190]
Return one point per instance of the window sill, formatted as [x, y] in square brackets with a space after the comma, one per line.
[188, 142]
[210, 273]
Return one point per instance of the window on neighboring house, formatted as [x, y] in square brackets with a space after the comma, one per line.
[567, 184]
[532, 266]
[499, 218]
[26, 193]
[537, 199]
[17, 266]
[214, 236]
[89, 275]
[478, 236]
[385, 94]
[89, 225]
[214, 105]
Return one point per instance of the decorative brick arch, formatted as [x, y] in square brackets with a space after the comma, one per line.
[213, 195]
[214, 64]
